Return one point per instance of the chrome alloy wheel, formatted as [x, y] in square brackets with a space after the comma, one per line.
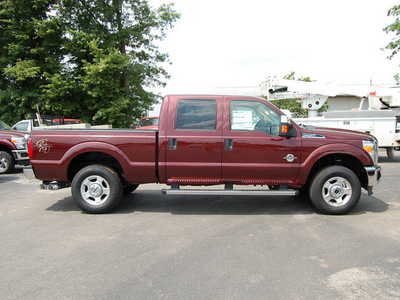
[3, 164]
[337, 191]
[95, 190]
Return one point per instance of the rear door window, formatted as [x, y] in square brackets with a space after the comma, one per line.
[197, 114]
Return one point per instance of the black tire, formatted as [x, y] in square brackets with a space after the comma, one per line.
[390, 153]
[129, 188]
[335, 190]
[7, 162]
[96, 189]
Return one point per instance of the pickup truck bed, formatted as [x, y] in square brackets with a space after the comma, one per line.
[133, 151]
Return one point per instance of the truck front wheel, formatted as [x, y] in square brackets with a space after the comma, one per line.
[335, 190]
[96, 189]
[6, 162]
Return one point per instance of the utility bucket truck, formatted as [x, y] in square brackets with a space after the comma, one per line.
[381, 119]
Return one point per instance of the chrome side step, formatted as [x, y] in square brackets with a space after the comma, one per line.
[232, 192]
[175, 190]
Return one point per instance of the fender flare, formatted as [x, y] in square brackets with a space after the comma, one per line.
[330, 149]
[7, 144]
[87, 147]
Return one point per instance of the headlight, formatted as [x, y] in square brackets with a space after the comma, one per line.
[19, 142]
[372, 148]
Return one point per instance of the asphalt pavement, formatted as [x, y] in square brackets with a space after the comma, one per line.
[158, 246]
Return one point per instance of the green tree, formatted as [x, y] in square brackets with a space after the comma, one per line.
[79, 58]
[30, 47]
[394, 45]
[112, 59]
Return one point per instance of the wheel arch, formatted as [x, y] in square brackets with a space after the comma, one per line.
[340, 159]
[5, 148]
[94, 158]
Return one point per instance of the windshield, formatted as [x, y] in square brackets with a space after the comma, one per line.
[149, 122]
[4, 126]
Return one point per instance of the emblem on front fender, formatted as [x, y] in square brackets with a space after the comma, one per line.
[290, 157]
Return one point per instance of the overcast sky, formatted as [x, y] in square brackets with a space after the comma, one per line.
[230, 43]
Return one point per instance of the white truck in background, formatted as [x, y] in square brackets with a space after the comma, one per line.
[384, 125]
[382, 119]
[38, 122]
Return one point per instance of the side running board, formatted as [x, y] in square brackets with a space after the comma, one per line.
[175, 190]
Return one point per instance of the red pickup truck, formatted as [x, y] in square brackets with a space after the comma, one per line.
[13, 149]
[148, 123]
[210, 140]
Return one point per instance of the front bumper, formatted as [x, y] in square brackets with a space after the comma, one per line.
[29, 173]
[21, 157]
[374, 176]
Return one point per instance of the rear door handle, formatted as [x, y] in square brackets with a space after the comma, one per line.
[172, 144]
[228, 144]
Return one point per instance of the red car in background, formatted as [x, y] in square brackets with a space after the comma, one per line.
[67, 121]
[148, 123]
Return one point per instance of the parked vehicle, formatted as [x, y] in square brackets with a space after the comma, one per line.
[13, 149]
[28, 125]
[67, 121]
[398, 132]
[33, 123]
[380, 119]
[210, 140]
[381, 124]
[148, 123]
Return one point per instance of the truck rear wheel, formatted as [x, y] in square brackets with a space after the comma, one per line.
[96, 189]
[6, 162]
[335, 190]
[390, 153]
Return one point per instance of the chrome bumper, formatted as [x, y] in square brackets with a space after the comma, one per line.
[21, 157]
[374, 176]
[29, 173]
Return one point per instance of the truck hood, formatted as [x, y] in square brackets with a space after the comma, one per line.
[334, 133]
[12, 133]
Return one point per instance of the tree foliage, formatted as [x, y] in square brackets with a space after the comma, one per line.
[92, 60]
[394, 45]
[30, 48]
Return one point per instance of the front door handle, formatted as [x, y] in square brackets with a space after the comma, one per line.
[228, 144]
[172, 144]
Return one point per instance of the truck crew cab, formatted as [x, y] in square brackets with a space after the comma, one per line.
[205, 140]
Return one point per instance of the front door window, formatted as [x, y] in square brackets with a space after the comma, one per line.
[254, 116]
